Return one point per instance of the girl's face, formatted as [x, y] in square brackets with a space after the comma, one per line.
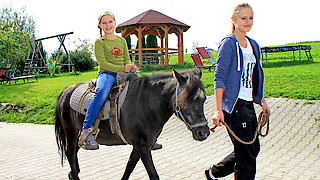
[244, 20]
[108, 25]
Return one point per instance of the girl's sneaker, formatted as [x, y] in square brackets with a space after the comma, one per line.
[87, 141]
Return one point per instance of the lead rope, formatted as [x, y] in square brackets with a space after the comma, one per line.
[262, 120]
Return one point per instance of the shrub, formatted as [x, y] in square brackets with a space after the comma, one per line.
[81, 59]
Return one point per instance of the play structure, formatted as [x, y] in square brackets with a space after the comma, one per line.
[35, 56]
[205, 54]
[36, 62]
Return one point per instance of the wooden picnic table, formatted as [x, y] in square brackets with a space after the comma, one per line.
[306, 48]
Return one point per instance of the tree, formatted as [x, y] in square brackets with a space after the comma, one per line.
[194, 46]
[152, 42]
[83, 45]
[81, 57]
[128, 40]
[143, 46]
[19, 21]
[16, 29]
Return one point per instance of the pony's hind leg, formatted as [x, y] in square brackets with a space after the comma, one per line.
[132, 162]
[72, 154]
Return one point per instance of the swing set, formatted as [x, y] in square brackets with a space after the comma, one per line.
[35, 56]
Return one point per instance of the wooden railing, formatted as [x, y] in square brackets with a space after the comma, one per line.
[153, 58]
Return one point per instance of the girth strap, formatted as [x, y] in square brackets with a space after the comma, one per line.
[115, 113]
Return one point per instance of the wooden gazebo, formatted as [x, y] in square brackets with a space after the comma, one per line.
[154, 23]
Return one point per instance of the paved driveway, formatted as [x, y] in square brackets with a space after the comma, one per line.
[290, 151]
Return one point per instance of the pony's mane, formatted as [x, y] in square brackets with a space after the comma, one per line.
[187, 92]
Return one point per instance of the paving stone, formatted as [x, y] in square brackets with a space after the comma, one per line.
[290, 151]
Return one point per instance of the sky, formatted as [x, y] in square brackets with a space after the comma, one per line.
[276, 22]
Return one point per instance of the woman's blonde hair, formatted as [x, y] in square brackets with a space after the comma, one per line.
[104, 14]
[235, 12]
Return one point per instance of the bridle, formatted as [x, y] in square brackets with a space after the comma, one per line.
[181, 116]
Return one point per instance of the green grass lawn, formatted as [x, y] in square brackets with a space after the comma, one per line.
[34, 102]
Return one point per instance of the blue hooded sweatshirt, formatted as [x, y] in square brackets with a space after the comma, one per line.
[229, 70]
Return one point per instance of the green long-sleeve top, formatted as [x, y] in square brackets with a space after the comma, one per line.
[112, 55]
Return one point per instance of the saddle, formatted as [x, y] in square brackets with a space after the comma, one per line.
[83, 94]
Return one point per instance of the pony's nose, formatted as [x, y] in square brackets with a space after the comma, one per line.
[203, 133]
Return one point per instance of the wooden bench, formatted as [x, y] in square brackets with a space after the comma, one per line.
[24, 78]
[306, 48]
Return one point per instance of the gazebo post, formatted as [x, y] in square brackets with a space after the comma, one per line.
[180, 47]
[162, 55]
[182, 53]
[166, 32]
[140, 44]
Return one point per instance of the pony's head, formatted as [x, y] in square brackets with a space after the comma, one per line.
[188, 101]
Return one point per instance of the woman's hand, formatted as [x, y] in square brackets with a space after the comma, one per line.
[130, 68]
[265, 107]
[218, 118]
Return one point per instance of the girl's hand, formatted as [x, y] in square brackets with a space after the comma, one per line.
[133, 68]
[130, 68]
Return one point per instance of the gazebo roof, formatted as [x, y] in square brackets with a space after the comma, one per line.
[152, 17]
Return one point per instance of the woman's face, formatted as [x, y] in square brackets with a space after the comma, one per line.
[244, 20]
[107, 24]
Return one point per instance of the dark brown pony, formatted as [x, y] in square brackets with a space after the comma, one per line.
[150, 102]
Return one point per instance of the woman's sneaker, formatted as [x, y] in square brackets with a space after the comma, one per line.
[208, 173]
[87, 141]
[156, 146]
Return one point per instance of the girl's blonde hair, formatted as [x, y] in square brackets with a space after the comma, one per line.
[235, 12]
[104, 14]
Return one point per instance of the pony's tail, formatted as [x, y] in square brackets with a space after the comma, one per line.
[60, 135]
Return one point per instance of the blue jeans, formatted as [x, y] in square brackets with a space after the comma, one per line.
[105, 81]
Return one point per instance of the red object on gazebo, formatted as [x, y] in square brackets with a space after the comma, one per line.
[155, 23]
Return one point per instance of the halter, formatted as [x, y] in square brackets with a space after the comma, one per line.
[181, 116]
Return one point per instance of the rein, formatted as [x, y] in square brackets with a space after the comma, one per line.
[181, 116]
[262, 120]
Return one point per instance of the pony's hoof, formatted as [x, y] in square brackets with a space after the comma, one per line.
[70, 176]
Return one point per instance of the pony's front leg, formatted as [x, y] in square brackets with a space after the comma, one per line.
[145, 155]
[132, 162]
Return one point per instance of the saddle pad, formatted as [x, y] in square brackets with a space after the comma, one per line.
[80, 90]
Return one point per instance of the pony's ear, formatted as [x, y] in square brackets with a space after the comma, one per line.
[179, 77]
[198, 73]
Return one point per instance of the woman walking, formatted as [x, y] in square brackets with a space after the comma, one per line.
[239, 82]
